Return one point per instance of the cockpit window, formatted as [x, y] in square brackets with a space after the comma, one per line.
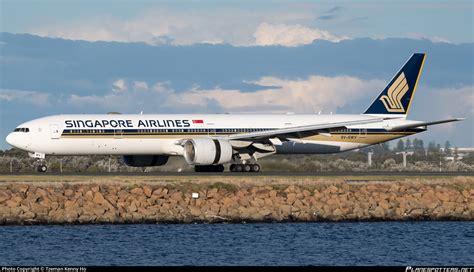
[22, 130]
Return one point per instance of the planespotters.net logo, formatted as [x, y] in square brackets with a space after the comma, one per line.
[439, 269]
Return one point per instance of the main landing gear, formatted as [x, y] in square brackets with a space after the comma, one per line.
[209, 168]
[233, 168]
[245, 167]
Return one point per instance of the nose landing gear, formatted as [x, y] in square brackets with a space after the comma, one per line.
[42, 168]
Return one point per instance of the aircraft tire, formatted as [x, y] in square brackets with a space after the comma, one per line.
[238, 168]
[209, 168]
[219, 168]
[201, 168]
[255, 167]
[42, 168]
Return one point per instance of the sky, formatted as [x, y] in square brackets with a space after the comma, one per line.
[233, 56]
[187, 22]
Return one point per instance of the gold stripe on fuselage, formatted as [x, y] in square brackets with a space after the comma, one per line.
[363, 138]
[369, 138]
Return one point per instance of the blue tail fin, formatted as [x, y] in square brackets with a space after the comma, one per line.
[396, 98]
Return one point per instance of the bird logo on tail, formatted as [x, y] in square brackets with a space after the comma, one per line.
[393, 100]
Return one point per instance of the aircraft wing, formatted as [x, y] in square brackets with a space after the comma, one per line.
[297, 132]
[421, 123]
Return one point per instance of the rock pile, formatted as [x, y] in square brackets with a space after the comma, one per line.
[35, 203]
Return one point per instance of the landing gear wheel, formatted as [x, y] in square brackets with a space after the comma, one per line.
[209, 168]
[219, 168]
[245, 168]
[238, 168]
[255, 167]
[42, 168]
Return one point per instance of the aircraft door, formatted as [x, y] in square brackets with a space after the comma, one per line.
[55, 134]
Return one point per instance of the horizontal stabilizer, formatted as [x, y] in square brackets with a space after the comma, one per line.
[420, 124]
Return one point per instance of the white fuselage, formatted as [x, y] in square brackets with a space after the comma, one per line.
[153, 134]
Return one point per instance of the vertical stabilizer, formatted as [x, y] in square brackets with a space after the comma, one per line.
[395, 99]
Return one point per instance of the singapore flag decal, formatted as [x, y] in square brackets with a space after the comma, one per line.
[198, 122]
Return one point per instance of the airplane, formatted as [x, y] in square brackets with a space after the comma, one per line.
[208, 141]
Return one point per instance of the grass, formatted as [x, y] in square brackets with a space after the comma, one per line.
[227, 186]
[461, 186]
[232, 181]
[189, 186]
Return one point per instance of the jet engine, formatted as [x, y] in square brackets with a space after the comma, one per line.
[205, 151]
[145, 160]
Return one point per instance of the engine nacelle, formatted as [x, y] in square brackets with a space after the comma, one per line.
[145, 160]
[205, 151]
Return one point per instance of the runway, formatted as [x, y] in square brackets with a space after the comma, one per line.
[259, 174]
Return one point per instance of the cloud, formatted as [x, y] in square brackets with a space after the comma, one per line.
[330, 13]
[334, 9]
[445, 103]
[437, 39]
[88, 99]
[139, 97]
[140, 85]
[291, 35]
[119, 86]
[165, 25]
[327, 17]
[313, 94]
[27, 97]
[433, 39]
[450, 103]
[357, 19]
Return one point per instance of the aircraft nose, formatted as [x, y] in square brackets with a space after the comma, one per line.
[11, 139]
